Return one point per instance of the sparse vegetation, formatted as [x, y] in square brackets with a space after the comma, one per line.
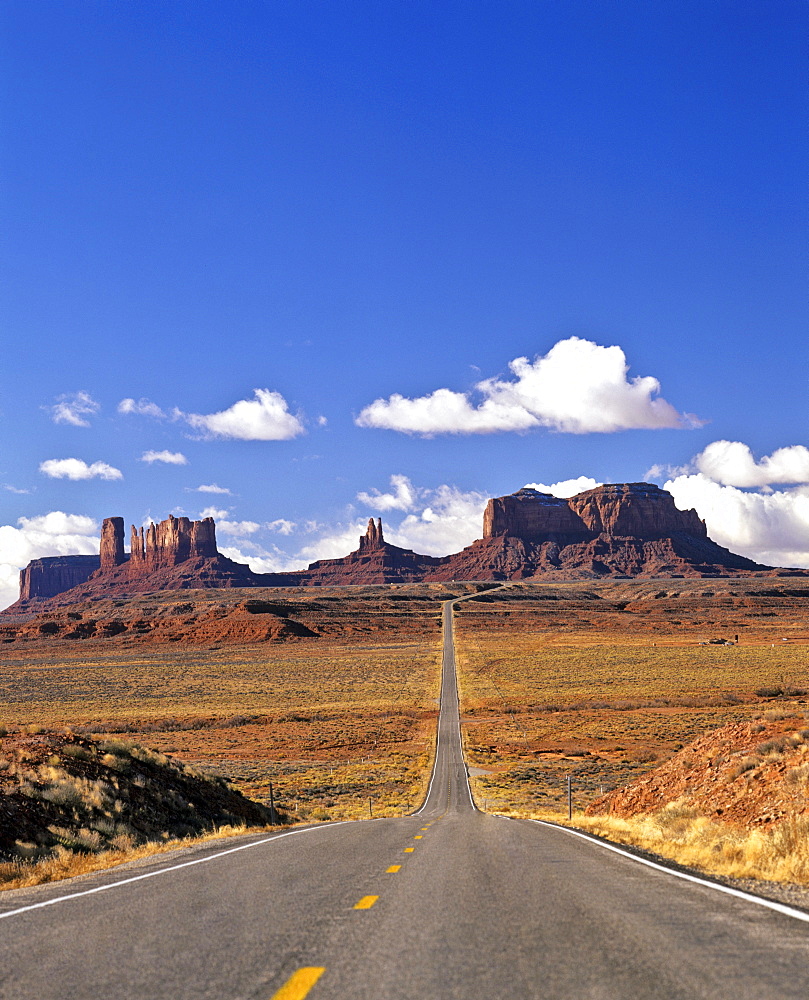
[604, 681]
[63, 796]
[678, 832]
[331, 722]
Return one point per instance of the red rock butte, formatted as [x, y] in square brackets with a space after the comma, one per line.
[622, 530]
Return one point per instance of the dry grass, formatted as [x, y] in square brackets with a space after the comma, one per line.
[679, 833]
[330, 721]
[65, 863]
[603, 681]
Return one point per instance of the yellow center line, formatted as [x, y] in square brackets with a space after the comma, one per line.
[417, 837]
[366, 903]
[299, 983]
[393, 868]
[425, 828]
[409, 850]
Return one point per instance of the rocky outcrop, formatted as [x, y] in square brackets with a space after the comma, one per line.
[625, 529]
[639, 510]
[375, 561]
[112, 543]
[169, 543]
[533, 517]
[373, 538]
[635, 510]
[742, 774]
[47, 577]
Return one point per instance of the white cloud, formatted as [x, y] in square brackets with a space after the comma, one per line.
[566, 487]
[237, 528]
[215, 512]
[14, 489]
[403, 497]
[265, 418]
[75, 468]
[337, 543]
[438, 521]
[578, 387]
[169, 457]
[732, 464]
[449, 520]
[141, 407]
[213, 488]
[772, 528]
[666, 471]
[52, 534]
[282, 526]
[262, 560]
[74, 408]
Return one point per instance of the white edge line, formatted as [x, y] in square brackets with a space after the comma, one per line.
[165, 871]
[787, 911]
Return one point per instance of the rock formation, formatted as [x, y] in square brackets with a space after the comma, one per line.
[628, 529]
[169, 543]
[47, 577]
[626, 510]
[625, 529]
[112, 543]
[375, 561]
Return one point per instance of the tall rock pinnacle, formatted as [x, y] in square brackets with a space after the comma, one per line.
[372, 539]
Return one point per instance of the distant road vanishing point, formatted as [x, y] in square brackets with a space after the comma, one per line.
[446, 903]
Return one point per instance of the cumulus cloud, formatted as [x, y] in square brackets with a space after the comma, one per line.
[74, 408]
[213, 488]
[449, 520]
[141, 407]
[282, 526]
[169, 457]
[731, 463]
[261, 559]
[237, 528]
[52, 534]
[339, 541]
[566, 487]
[772, 527]
[438, 521]
[265, 418]
[403, 496]
[76, 468]
[578, 387]
[217, 513]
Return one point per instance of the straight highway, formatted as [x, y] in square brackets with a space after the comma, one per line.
[446, 903]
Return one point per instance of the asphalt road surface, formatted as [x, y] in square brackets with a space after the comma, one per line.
[447, 903]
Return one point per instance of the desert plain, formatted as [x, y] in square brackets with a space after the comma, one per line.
[596, 681]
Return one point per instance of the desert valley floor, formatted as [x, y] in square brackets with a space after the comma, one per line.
[330, 693]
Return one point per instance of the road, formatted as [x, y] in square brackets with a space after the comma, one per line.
[447, 903]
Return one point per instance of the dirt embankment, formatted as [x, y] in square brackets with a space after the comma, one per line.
[60, 791]
[748, 774]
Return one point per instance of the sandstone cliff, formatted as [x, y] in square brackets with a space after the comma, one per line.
[44, 578]
[169, 543]
[625, 529]
[639, 510]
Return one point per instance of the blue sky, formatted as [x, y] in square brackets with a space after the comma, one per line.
[340, 204]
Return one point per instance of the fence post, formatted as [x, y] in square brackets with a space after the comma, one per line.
[272, 807]
[370, 808]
